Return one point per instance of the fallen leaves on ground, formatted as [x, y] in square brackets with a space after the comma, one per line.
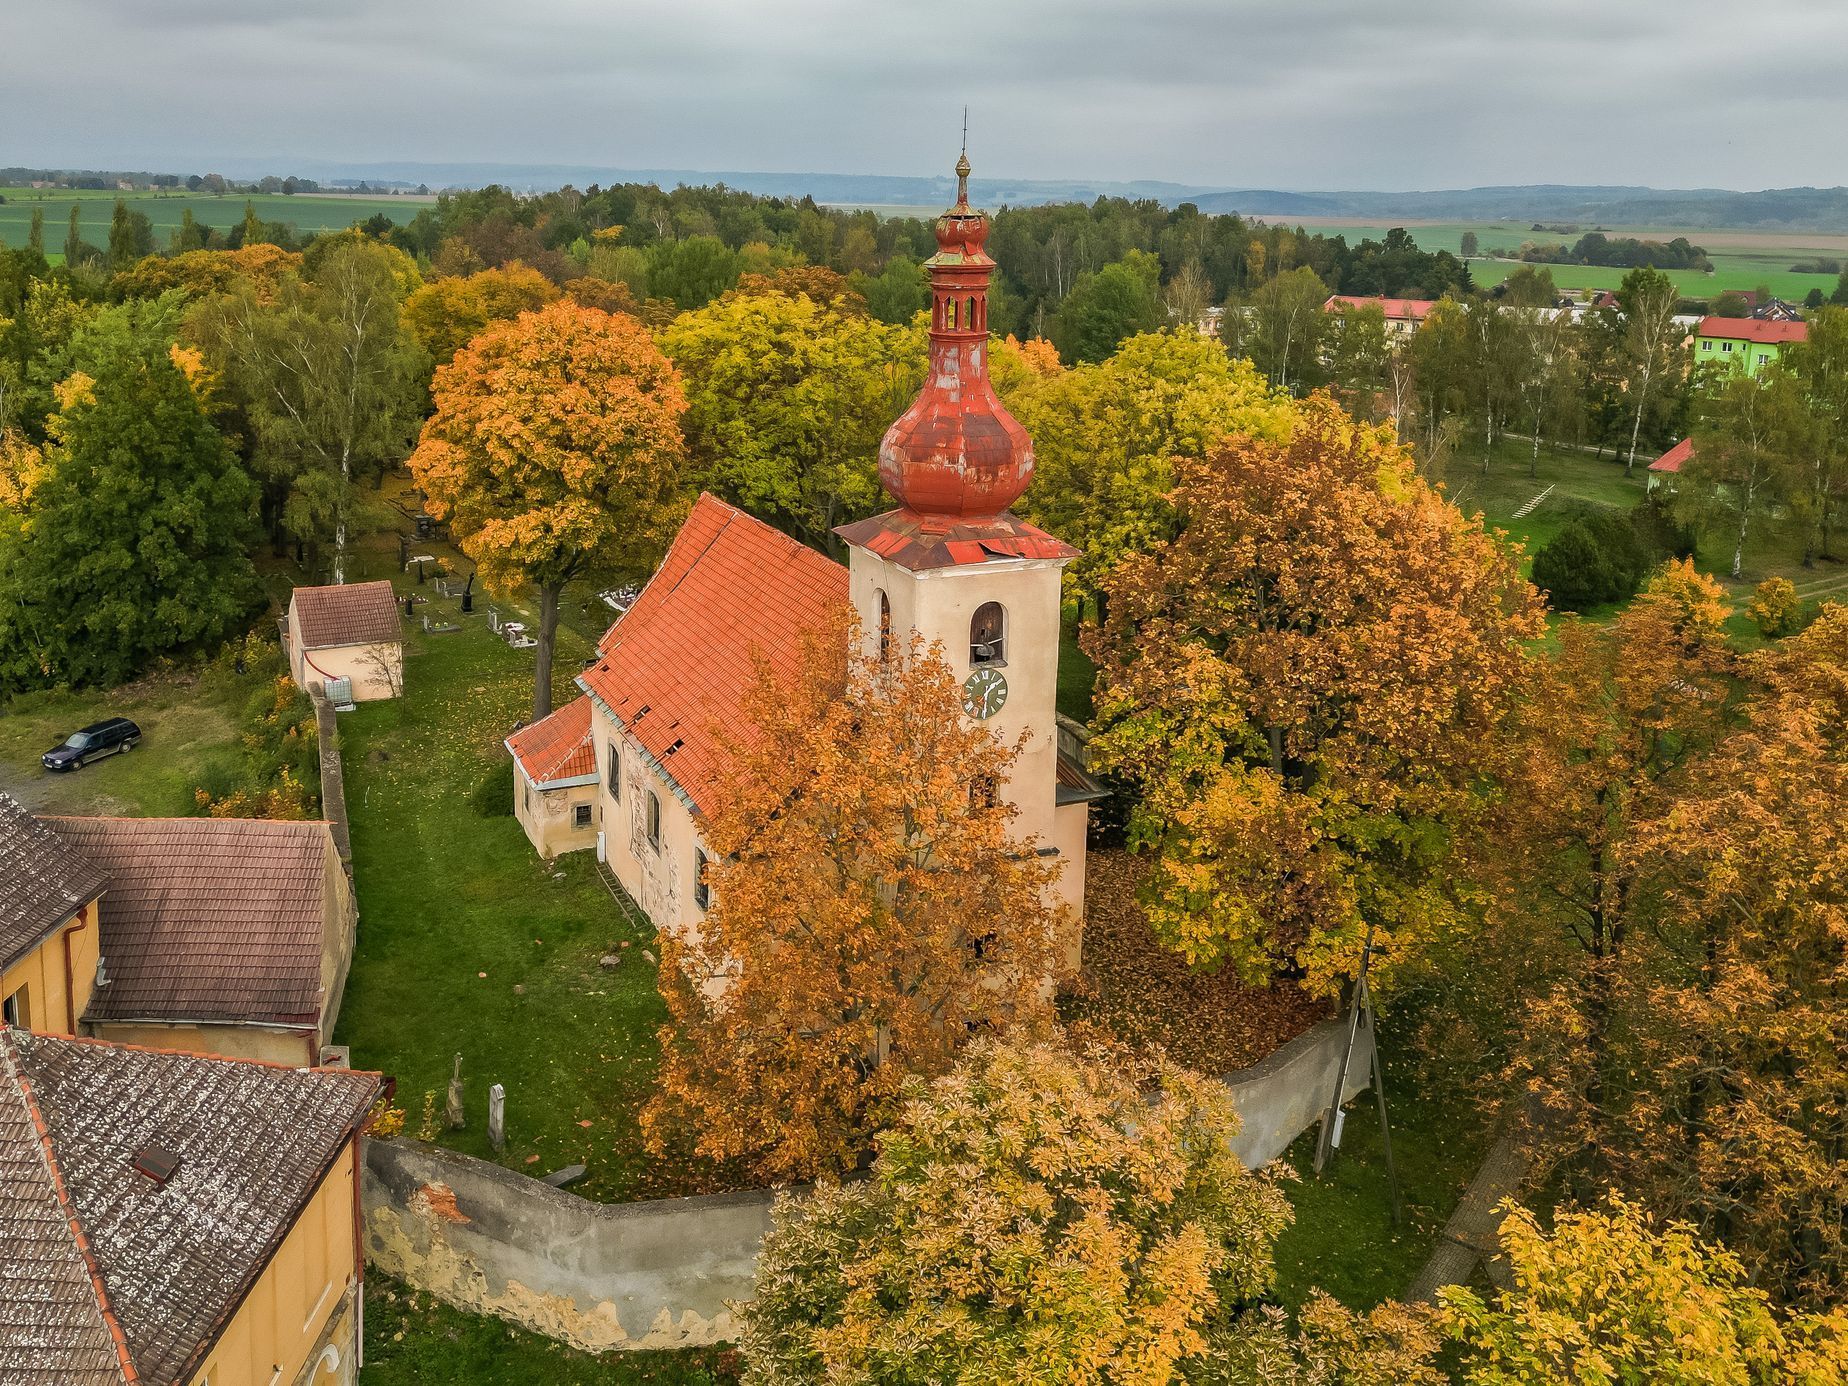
[1147, 996]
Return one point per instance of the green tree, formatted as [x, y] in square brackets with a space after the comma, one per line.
[1031, 1217]
[1840, 296]
[898, 293]
[131, 236]
[1288, 327]
[134, 541]
[1753, 430]
[1468, 245]
[1359, 356]
[787, 400]
[1530, 286]
[328, 380]
[1820, 364]
[35, 237]
[73, 239]
[1595, 557]
[692, 272]
[1117, 301]
[1650, 342]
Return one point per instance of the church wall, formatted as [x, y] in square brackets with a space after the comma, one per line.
[549, 815]
[658, 873]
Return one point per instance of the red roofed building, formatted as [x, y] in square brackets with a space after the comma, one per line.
[1747, 344]
[1665, 468]
[555, 780]
[1403, 315]
[950, 563]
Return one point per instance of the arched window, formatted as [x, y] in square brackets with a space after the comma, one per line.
[885, 625]
[969, 314]
[988, 634]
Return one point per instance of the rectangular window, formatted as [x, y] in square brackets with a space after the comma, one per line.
[16, 1010]
[1725, 346]
[654, 821]
[702, 893]
[615, 771]
[580, 815]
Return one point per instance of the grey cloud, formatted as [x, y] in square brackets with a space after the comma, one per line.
[1290, 93]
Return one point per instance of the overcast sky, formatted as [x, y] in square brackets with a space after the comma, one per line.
[1387, 94]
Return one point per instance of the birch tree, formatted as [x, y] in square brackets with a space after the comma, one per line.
[1650, 341]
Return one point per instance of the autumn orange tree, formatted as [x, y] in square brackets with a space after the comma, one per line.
[871, 908]
[1031, 1217]
[1306, 689]
[443, 314]
[554, 452]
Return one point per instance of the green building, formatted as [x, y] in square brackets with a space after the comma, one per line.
[1747, 344]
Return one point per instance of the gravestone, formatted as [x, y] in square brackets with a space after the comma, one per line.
[497, 1118]
[452, 1109]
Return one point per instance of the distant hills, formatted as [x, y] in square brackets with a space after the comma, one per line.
[1772, 209]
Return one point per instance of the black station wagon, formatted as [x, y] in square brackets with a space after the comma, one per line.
[103, 738]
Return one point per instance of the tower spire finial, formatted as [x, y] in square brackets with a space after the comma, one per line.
[962, 165]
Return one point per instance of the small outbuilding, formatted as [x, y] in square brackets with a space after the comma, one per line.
[351, 632]
[1665, 471]
[555, 780]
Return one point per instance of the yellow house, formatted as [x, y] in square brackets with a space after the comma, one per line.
[221, 936]
[555, 780]
[177, 1220]
[49, 894]
[347, 632]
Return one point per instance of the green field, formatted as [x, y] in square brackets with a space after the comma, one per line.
[309, 214]
[1741, 259]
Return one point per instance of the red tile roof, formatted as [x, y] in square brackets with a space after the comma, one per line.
[921, 542]
[107, 1276]
[356, 613]
[1753, 330]
[676, 666]
[557, 747]
[1412, 309]
[1672, 460]
[209, 919]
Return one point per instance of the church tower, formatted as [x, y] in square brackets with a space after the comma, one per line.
[954, 565]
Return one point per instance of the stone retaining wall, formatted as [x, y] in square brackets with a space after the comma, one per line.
[333, 778]
[662, 1274]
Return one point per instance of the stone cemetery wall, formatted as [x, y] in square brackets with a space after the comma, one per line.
[661, 1274]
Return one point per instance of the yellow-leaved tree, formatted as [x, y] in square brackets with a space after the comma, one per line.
[1106, 437]
[555, 452]
[871, 909]
[1307, 688]
[443, 314]
[1032, 1216]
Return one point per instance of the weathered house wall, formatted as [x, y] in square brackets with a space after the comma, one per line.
[662, 1274]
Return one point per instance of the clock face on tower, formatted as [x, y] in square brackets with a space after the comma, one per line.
[984, 692]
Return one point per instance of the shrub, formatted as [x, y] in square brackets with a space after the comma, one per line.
[1661, 535]
[1776, 608]
[1598, 557]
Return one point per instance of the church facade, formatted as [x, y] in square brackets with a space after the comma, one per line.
[950, 562]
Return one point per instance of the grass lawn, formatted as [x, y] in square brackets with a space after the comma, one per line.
[1343, 1240]
[413, 1339]
[469, 944]
[1512, 479]
[186, 724]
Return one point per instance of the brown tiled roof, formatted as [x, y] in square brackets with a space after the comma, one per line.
[209, 919]
[557, 747]
[356, 613]
[52, 1322]
[167, 1265]
[44, 880]
[919, 542]
[677, 665]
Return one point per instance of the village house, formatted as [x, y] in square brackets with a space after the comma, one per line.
[1746, 344]
[950, 563]
[1404, 316]
[175, 1220]
[555, 780]
[348, 632]
[214, 935]
[50, 896]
